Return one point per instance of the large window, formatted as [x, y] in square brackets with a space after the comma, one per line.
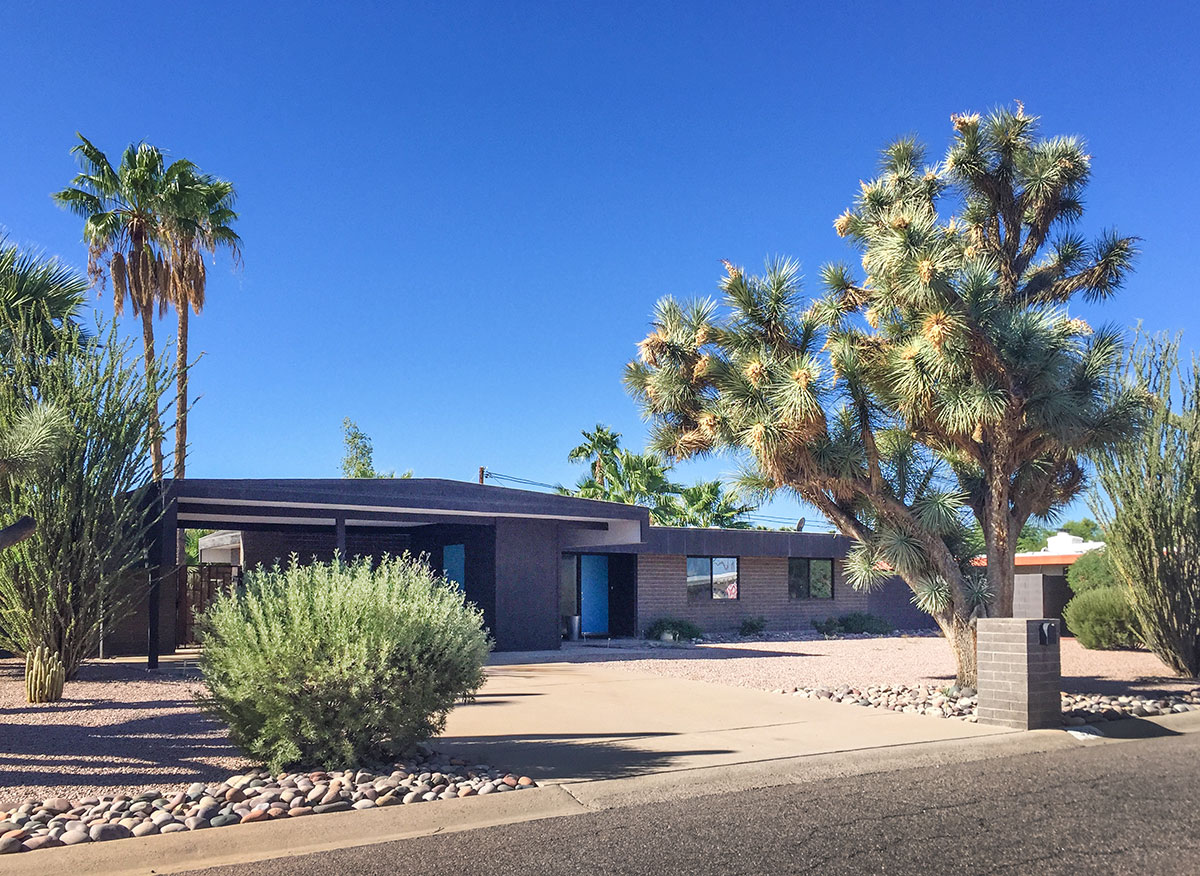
[712, 578]
[810, 579]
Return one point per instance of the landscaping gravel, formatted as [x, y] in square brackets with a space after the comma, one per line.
[245, 798]
[806, 661]
[117, 730]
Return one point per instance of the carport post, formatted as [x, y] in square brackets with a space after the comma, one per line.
[340, 523]
[163, 550]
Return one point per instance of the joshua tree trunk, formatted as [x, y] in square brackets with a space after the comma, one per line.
[181, 415]
[960, 635]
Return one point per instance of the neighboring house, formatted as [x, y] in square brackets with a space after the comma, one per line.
[528, 560]
[1040, 586]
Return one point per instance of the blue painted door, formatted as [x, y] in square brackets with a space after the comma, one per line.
[593, 593]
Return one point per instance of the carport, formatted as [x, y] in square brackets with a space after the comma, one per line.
[505, 544]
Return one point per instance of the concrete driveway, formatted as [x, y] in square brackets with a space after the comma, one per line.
[571, 722]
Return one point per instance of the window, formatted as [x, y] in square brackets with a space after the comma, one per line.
[810, 579]
[712, 578]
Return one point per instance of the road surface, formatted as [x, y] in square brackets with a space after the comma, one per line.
[1132, 807]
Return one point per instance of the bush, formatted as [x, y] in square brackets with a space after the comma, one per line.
[337, 664]
[681, 628]
[1093, 569]
[854, 623]
[752, 626]
[1101, 618]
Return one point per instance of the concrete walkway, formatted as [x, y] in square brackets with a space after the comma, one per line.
[567, 722]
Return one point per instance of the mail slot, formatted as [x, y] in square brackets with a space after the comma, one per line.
[1047, 633]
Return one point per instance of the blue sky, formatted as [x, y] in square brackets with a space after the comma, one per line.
[457, 216]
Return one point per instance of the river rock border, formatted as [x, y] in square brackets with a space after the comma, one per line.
[243, 799]
[962, 703]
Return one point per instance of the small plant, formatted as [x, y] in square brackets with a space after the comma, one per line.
[851, 624]
[681, 628]
[337, 664]
[1093, 569]
[44, 676]
[1102, 619]
[752, 626]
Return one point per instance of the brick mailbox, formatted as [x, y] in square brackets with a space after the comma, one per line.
[1019, 672]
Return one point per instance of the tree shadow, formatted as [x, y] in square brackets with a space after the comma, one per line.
[1153, 687]
[570, 755]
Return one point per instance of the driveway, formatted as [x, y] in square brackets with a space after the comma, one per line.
[574, 721]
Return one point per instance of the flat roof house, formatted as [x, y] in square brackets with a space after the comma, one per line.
[526, 559]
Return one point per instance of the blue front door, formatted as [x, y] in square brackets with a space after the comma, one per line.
[593, 592]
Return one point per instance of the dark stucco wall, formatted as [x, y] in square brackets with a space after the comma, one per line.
[265, 547]
[893, 602]
[479, 553]
[527, 567]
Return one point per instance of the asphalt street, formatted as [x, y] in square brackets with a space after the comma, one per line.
[1132, 807]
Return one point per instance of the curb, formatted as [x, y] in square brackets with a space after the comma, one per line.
[247, 844]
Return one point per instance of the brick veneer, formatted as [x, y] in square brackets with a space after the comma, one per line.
[762, 588]
[1019, 678]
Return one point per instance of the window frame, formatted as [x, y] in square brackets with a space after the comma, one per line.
[711, 597]
[808, 595]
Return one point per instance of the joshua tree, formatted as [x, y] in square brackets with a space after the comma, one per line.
[30, 440]
[759, 381]
[970, 265]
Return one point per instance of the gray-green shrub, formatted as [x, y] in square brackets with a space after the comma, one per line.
[336, 664]
[852, 624]
[1102, 619]
[1093, 569]
[752, 626]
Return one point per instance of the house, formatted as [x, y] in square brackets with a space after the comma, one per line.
[1040, 583]
[528, 560]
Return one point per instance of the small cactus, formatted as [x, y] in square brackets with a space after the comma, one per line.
[44, 676]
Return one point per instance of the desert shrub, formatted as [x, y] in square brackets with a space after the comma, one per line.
[828, 627]
[1150, 508]
[1093, 569]
[853, 623]
[683, 629]
[336, 664]
[1101, 618]
[752, 626]
[84, 568]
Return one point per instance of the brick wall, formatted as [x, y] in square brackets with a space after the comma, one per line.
[1019, 678]
[762, 588]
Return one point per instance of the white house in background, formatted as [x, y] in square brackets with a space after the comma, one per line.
[1041, 576]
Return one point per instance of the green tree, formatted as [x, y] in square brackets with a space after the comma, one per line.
[84, 567]
[359, 458]
[634, 479]
[598, 448]
[1092, 570]
[39, 291]
[147, 224]
[1150, 507]
[970, 265]
[708, 503]
[199, 221]
[765, 380]
[1087, 529]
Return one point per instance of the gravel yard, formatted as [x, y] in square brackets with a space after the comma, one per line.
[119, 730]
[769, 665]
[116, 730]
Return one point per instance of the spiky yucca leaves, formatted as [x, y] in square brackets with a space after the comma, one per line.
[763, 379]
[972, 348]
[32, 284]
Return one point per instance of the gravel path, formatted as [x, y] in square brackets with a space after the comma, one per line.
[769, 665]
[116, 730]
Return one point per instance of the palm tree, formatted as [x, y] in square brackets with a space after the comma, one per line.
[598, 448]
[41, 293]
[125, 212]
[708, 504]
[201, 220]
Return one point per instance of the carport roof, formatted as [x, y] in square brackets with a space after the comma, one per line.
[225, 502]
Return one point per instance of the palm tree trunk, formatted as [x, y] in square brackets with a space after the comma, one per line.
[156, 452]
[181, 414]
